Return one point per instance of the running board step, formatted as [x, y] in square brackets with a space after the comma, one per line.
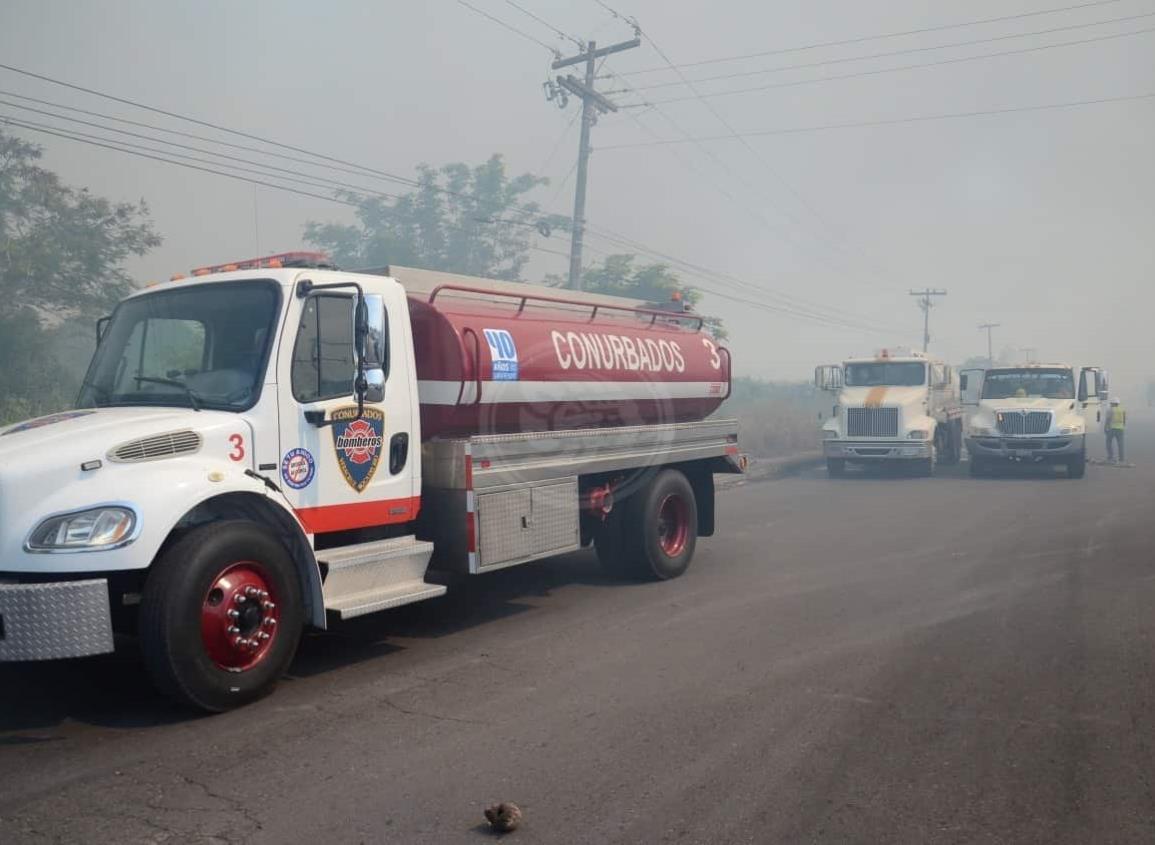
[376, 576]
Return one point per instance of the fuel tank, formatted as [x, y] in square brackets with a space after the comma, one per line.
[497, 362]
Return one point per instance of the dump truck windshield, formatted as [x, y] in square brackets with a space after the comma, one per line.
[890, 374]
[1029, 382]
[201, 346]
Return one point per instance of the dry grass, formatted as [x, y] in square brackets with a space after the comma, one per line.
[775, 419]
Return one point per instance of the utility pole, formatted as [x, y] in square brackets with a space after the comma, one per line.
[1029, 353]
[592, 104]
[925, 302]
[990, 342]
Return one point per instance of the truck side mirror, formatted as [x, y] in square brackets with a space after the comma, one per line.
[371, 337]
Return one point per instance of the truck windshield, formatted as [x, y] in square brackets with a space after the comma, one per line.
[1030, 382]
[891, 374]
[197, 345]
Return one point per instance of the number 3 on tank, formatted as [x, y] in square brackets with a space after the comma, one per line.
[238, 452]
[712, 348]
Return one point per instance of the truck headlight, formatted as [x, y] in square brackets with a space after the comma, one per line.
[89, 530]
[1071, 429]
[918, 434]
[980, 431]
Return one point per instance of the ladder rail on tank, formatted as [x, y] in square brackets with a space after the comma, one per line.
[524, 298]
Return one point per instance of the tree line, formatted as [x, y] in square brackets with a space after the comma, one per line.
[63, 255]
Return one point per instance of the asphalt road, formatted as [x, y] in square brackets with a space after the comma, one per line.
[869, 660]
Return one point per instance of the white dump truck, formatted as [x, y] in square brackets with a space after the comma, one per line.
[895, 406]
[1032, 414]
[272, 444]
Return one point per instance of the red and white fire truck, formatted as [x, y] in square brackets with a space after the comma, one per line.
[272, 444]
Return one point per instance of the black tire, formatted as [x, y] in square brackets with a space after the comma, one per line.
[836, 467]
[654, 549]
[1077, 466]
[979, 468]
[184, 585]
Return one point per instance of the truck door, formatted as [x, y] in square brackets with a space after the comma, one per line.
[970, 382]
[1089, 402]
[342, 470]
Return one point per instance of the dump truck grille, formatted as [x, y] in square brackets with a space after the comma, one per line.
[1024, 422]
[872, 422]
[156, 447]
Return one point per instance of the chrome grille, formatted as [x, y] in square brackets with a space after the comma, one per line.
[158, 446]
[872, 422]
[1024, 422]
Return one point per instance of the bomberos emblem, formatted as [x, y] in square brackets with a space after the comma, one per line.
[358, 444]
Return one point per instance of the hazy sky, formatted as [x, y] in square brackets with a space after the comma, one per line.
[1042, 221]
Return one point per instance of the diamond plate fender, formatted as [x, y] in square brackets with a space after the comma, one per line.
[52, 621]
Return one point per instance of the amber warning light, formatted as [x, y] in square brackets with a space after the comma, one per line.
[282, 259]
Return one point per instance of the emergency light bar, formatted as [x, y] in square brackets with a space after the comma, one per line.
[281, 259]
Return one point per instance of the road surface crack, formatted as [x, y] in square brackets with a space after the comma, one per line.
[435, 716]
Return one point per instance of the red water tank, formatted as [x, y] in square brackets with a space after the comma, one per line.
[490, 362]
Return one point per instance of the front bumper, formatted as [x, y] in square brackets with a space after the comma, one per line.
[54, 620]
[1026, 449]
[877, 450]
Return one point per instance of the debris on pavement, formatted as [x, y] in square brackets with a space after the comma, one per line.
[503, 817]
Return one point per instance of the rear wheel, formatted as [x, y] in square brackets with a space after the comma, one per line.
[221, 616]
[658, 527]
[836, 467]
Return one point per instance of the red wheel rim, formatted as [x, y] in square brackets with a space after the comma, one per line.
[673, 525]
[239, 617]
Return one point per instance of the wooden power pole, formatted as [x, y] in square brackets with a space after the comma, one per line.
[990, 341]
[925, 302]
[592, 103]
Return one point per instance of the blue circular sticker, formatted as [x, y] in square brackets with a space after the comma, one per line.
[298, 468]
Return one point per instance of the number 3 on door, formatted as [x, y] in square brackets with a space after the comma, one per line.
[238, 453]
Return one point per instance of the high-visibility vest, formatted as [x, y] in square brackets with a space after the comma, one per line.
[1118, 419]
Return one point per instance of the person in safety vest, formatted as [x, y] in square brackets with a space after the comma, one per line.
[1114, 424]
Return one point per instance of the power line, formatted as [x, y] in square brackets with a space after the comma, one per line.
[236, 133]
[859, 40]
[508, 26]
[938, 63]
[891, 53]
[118, 148]
[207, 124]
[563, 35]
[356, 170]
[823, 222]
[882, 122]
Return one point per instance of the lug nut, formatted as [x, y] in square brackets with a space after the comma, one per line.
[268, 605]
[238, 641]
[234, 614]
[252, 592]
[233, 629]
[239, 599]
[263, 635]
[269, 621]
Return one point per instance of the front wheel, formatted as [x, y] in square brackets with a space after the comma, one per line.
[979, 467]
[1077, 466]
[221, 616]
[836, 467]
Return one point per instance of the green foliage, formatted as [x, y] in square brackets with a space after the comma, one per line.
[62, 253]
[655, 283]
[62, 249]
[456, 220]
